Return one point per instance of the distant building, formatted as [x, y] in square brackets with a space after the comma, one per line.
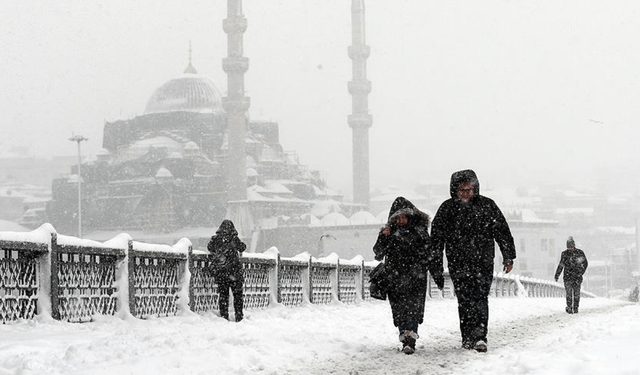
[25, 184]
[539, 243]
[165, 169]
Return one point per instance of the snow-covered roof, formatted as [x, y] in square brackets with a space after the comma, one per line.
[276, 187]
[575, 210]
[363, 218]
[333, 219]
[325, 207]
[529, 216]
[620, 230]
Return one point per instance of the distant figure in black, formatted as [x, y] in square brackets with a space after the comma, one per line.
[574, 262]
[225, 248]
[404, 242]
[466, 226]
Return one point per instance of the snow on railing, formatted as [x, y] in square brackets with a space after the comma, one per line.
[66, 278]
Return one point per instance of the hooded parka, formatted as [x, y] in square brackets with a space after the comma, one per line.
[574, 263]
[225, 248]
[466, 232]
[407, 259]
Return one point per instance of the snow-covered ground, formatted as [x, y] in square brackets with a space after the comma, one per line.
[526, 336]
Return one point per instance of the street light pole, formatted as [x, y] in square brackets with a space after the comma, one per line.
[78, 139]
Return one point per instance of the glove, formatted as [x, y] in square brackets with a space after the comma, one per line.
[508, 265]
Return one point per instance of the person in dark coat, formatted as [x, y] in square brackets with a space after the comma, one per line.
[574, 262]
[225, 248]
[466, 226]
[403, 243]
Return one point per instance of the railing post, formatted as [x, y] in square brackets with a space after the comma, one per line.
[335, 281]
[192, 295]
[191, 287]
[274, 282]
[310, 279]
[306, 282]
[131, 278]
[55, 280]
[184, 281]
[360, 287]
[336, 278]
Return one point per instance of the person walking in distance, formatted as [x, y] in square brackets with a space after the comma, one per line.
[465, 227]
[574, 263]
[403, 243]
[225, 249]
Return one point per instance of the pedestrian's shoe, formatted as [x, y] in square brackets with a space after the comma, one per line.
[408, 350]
[569, 310]
[467, 345]
[239, 317]
[575, 310]
[409, 342]
[480, 346]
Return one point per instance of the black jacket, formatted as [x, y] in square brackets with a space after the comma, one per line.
[225, 248]
[468, 231]
[408, 257]
[574, 262]
[407, 249]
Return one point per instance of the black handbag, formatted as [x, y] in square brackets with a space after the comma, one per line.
[378, 282]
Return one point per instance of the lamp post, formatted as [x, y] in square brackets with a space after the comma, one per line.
[78, 139]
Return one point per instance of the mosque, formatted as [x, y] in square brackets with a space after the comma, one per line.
[195, 157]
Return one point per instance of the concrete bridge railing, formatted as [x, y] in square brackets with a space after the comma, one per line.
[71, 279]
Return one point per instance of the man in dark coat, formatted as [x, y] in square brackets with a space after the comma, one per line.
[404, 242]
[466, 226]
[574, 262]
[225, 248]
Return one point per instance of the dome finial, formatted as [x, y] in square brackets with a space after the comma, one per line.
[190, 69]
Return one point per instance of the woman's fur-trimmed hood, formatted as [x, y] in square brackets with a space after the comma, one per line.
[413, 214]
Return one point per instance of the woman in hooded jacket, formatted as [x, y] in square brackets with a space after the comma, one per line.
[225, 248]
[403, 243]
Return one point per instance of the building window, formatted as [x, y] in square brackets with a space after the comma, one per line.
[544, 245]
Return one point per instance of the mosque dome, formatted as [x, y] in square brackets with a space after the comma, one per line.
[191, 92]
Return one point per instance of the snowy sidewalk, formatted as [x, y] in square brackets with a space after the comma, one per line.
[526, 336]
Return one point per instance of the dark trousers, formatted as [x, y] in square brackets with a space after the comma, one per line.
[572, 289]
[235, 284]
[472, 291]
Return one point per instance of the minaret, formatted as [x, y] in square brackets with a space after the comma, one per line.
[360, 120]
[190, 69]
[236, 105]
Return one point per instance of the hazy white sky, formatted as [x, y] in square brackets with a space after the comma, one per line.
[512, 89]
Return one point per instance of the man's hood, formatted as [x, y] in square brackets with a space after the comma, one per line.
[459, 177]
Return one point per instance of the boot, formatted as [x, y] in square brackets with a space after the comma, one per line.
[480, 346]
[409, 342]
[569, 310]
